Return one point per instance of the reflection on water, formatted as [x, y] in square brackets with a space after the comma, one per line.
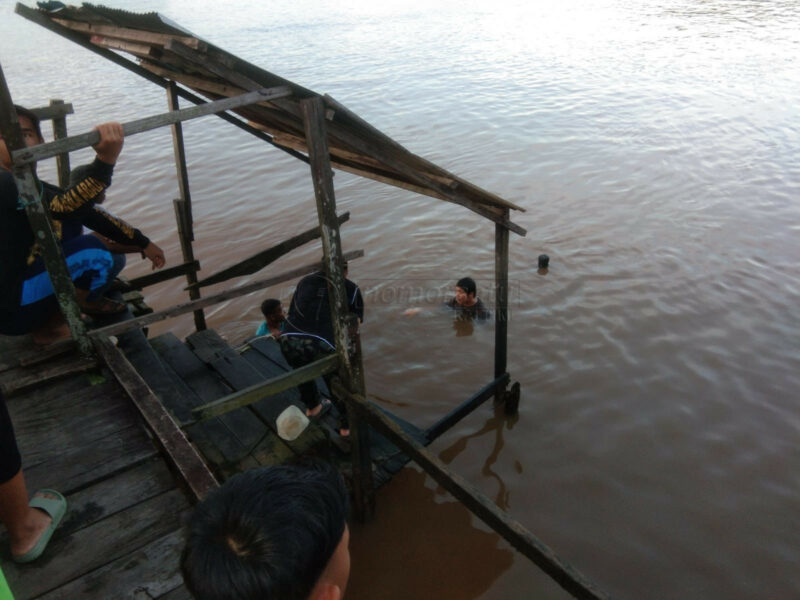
[494, 424]
[654, 146]
[422, 553]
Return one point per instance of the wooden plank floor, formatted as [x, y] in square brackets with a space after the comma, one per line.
[386, 458]
[121, 536]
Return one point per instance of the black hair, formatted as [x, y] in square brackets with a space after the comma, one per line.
[24, 112]
[468, 285]
[268, 306]
[265, 534]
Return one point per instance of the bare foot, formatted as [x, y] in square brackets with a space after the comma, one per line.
[45, 336]
[36, 521]
[344, 432]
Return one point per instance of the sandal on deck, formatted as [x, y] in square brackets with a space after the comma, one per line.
[54, 504]
[102, 306]
[325, 405]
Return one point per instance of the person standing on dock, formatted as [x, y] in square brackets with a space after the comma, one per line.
[27, 300]
[277, 533]
[308, 334]
[29, 524]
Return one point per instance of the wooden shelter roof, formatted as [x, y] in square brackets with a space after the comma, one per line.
[165, 50]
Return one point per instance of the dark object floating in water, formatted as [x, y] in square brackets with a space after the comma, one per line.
[544, 261]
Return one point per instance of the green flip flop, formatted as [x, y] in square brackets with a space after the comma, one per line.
[5, 591]
[55, 505]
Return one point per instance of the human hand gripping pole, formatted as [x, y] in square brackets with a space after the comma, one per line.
[112, 137]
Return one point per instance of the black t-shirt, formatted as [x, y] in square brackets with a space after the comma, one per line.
[476, 311]
[310, 310]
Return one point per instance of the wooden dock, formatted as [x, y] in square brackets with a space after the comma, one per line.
[205, 368]
[118, 438]
[80, 434]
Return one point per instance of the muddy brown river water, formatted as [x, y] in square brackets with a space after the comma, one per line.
[654, 146]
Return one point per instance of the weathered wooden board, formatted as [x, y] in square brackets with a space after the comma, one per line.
[110, 496]
[180, 593]
[234, 434]
[266, 257]
[80, 553]
[84, 140]
[20, 350]
[167, 434]
[271, 350]
[72, 434]
[16, 381]
[76, 468]
[136, 35]
[149, 572]
[239, 374]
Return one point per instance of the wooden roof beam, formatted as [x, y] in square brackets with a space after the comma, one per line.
[28, 155]
[131, 35]
[43, 20]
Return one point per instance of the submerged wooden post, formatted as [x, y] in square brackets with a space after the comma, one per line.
[351, 369]
[30, 196]
[183, 206]
[501, 235]
[60, 132]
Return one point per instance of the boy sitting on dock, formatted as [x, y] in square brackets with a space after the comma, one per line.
[274, 533]
[466, 302]
[97, 217]
[27, 299]
[274, 318]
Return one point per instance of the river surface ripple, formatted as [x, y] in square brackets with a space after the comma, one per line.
[654, 146]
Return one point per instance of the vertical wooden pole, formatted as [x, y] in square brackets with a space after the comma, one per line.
[62, 160]
[351, 369]
[183, 205]
[30, 197]
[501, 235]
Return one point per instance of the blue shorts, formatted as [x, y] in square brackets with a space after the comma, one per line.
[90, 267]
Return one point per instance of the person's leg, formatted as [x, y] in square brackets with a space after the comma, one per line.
[116, 269]
[24, 524]
[298, 352]
[344, 423]
[90, 266]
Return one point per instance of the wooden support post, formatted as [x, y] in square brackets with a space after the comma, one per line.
[501, 304]
[351, 369]
[30, 195]
[183, 206]
[60, 132]
[476, 502]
